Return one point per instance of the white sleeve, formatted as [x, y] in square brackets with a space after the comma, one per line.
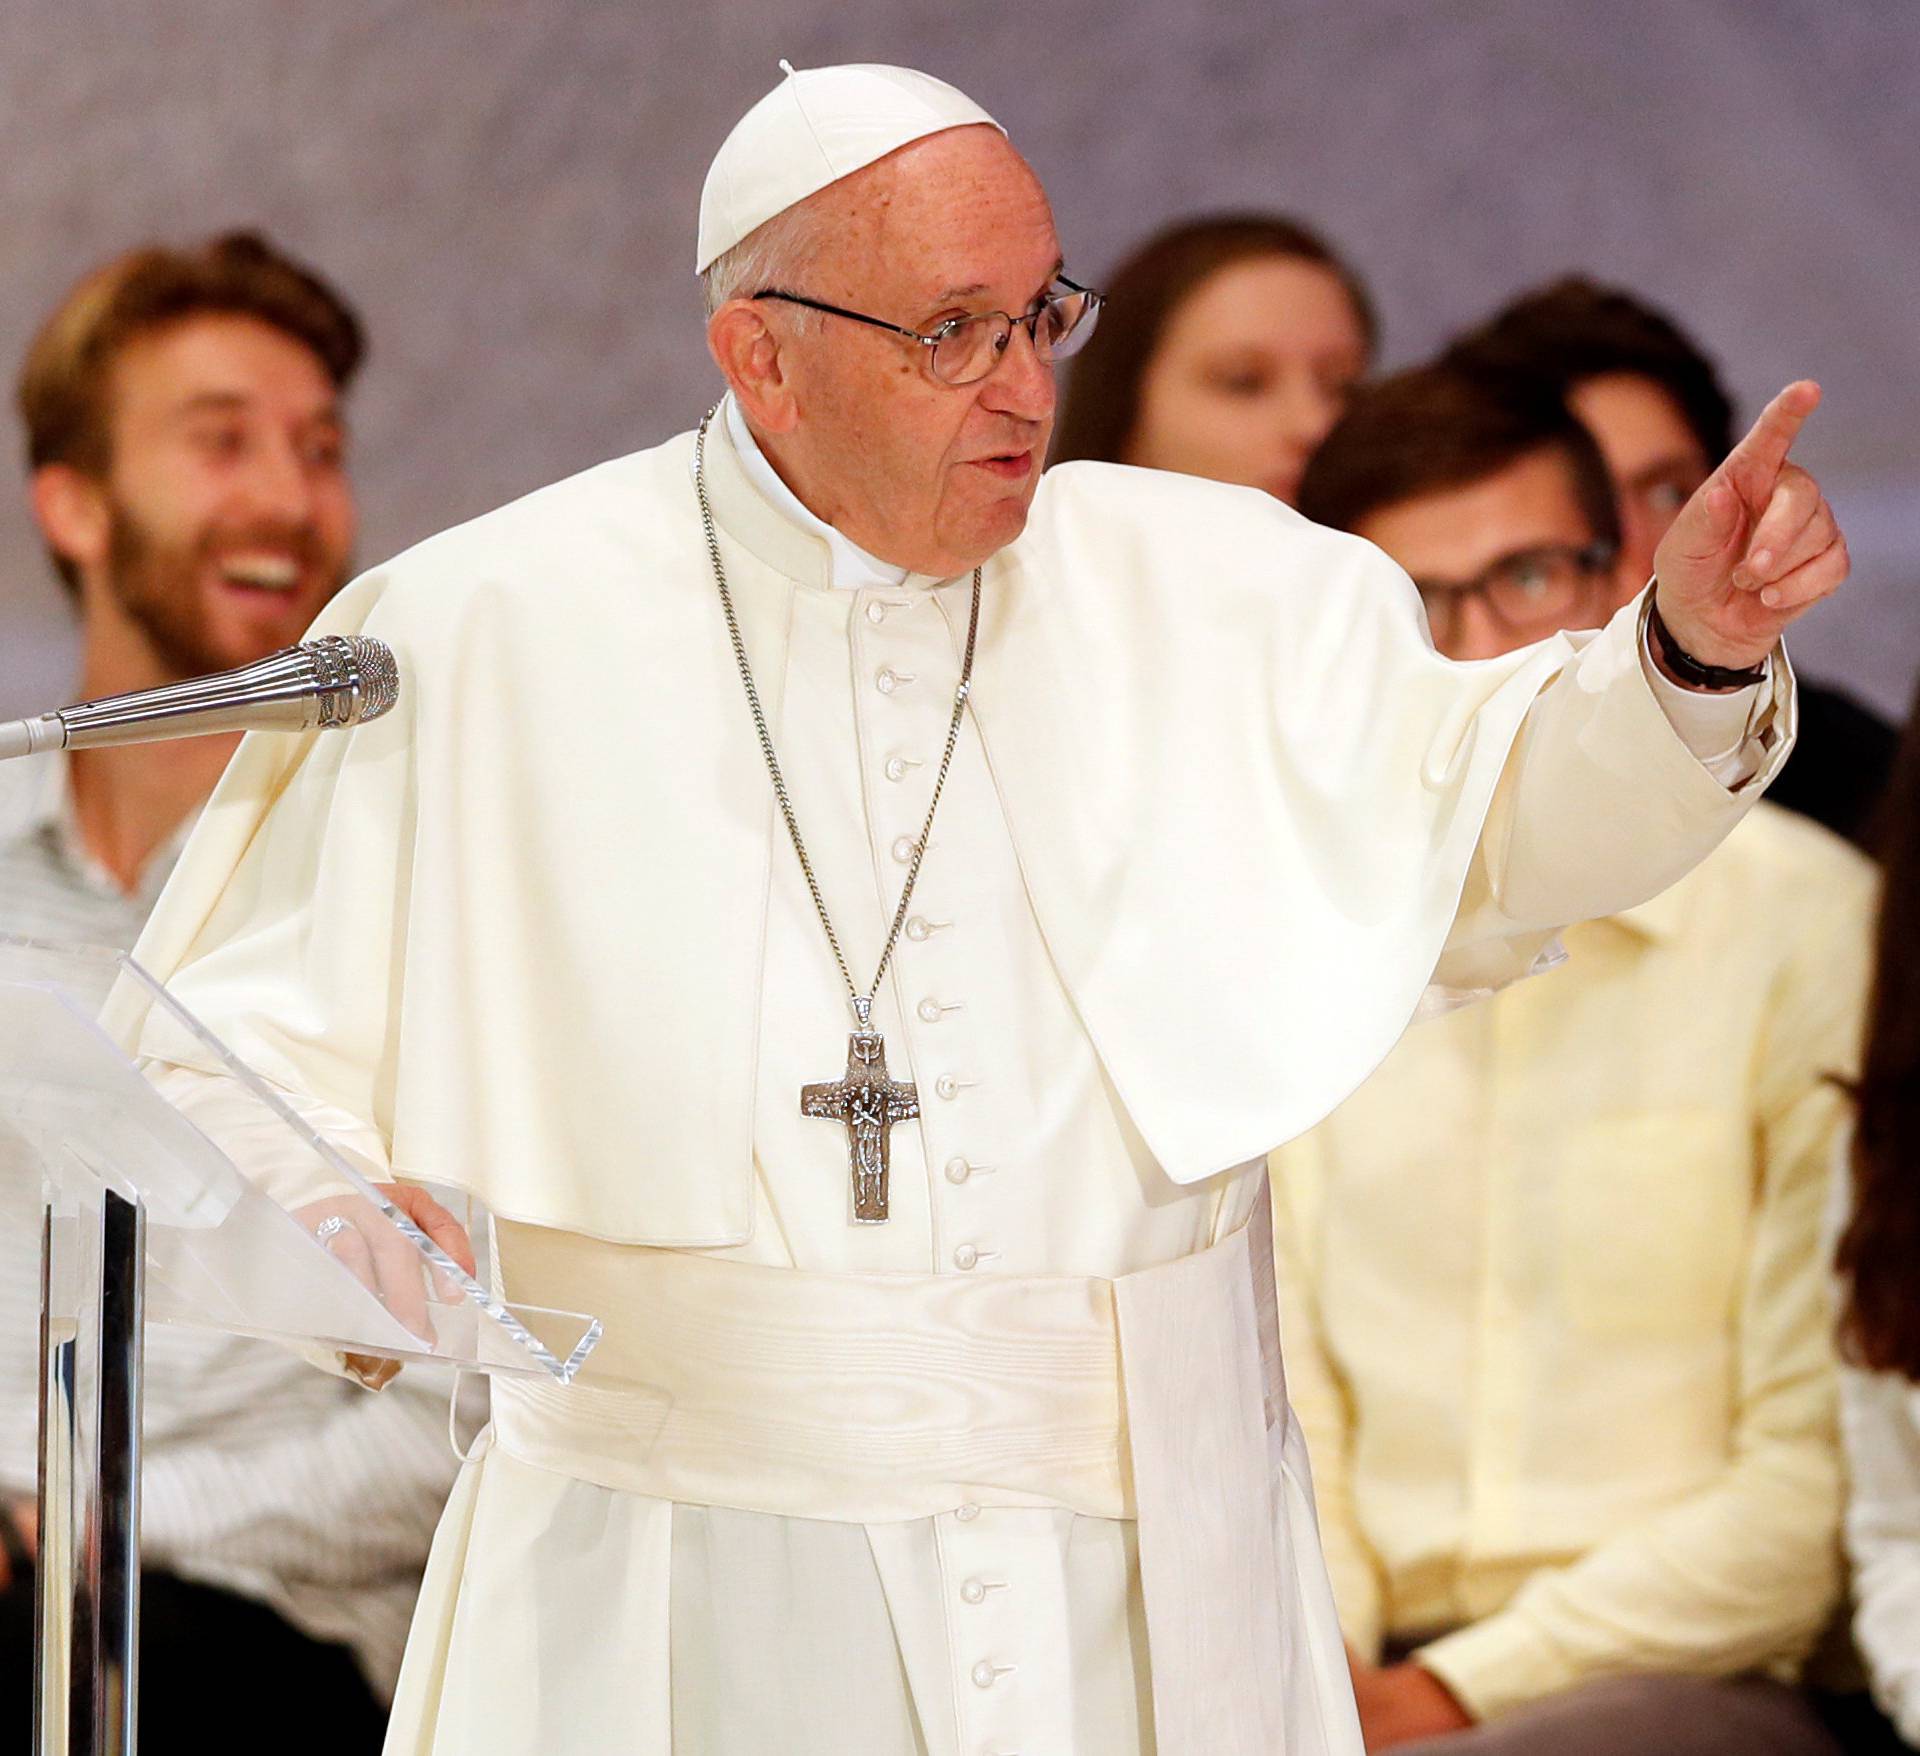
[1880, 1417]
[1725, 731]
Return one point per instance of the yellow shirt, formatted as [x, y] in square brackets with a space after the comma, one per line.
[1554, 1303]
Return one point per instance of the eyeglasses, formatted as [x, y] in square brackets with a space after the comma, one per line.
[963, 350]
[1532, 593]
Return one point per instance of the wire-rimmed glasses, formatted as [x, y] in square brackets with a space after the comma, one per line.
[963, 350]
[1530, 593]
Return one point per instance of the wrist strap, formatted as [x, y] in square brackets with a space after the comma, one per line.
[1691, 670]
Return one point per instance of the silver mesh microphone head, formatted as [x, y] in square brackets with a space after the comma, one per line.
[358, 675]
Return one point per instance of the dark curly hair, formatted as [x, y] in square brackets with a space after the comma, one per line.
[1437, 427]
[1575, 329]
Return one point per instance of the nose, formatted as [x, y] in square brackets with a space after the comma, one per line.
[1471, 631]
[1021, 383]
[1305, 413]
[1640, 534]
[279, 485]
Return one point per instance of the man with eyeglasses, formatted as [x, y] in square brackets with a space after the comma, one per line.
[858, 915]
[1552, 1285]
[1653, 401]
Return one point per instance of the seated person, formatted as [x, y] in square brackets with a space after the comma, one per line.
[1226, 349]
[1879, 1262]
[185, 438]
[1554, 1313]
[1654, 405]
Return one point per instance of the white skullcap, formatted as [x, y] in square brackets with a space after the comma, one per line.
[811, 130]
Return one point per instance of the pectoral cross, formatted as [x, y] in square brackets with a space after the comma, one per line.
[869, 1103]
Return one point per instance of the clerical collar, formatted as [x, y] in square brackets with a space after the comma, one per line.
[853, 568]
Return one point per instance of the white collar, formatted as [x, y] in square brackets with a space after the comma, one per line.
[853, 568]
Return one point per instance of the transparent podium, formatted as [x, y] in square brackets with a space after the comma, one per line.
[147, 1220]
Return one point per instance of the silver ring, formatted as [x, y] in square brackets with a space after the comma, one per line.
[329, 1229]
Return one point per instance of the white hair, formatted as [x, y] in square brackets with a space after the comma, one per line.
[776, 253]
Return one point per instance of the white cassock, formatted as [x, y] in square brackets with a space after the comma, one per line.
[1013, 1472]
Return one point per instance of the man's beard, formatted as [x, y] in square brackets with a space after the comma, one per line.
[158, 584]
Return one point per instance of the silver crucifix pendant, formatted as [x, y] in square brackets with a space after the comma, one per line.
[870, 1104]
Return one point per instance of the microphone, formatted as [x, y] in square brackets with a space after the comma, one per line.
[336, 680]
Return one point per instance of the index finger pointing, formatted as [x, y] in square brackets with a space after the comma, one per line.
[1759, 456]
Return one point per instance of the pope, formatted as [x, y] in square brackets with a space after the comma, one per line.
[1119, 822]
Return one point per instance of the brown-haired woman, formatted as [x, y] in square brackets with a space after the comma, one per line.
[1226, 349]
[1879, 1264]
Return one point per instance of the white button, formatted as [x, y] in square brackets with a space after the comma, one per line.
[896, 768]
[982, 1674]
[967, 1513]
[930, 1011]
[947, 1086]
[876, 611]
[973, 1592]
[965, 1257]
[958, 1170]
[918, 929]
[903, 849]
[888, 680]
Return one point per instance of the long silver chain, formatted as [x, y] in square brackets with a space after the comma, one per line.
[862, 1004]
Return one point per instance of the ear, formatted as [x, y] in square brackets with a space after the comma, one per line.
[70, 508]
[748, 352]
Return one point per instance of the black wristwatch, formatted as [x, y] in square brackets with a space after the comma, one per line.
[1690, 670]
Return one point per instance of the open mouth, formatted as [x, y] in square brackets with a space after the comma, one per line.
[277, 575]
[1011, 466]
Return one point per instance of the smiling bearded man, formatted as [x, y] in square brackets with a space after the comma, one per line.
[1122, 818]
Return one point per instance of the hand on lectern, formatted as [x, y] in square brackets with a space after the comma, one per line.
[385, 1261]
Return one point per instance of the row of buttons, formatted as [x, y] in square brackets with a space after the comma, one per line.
[890, 680]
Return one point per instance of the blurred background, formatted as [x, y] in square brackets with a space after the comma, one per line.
[508, 193]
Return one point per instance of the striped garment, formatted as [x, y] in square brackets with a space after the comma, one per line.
[263, 1476]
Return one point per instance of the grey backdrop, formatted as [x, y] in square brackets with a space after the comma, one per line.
[508, 191]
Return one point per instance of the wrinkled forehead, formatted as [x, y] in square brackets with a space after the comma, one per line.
[958, 213]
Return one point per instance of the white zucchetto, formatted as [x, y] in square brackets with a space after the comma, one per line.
[813, 129]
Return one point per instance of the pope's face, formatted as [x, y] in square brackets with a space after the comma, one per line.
[930, 476]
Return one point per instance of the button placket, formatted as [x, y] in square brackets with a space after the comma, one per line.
[982, 1565]
[907, 657]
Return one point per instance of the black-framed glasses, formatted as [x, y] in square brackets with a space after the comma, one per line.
[1532, 592]
[963, 350]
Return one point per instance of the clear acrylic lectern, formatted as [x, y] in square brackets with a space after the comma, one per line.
[146, 1220]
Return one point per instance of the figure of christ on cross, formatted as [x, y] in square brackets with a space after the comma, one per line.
[870, 1104]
